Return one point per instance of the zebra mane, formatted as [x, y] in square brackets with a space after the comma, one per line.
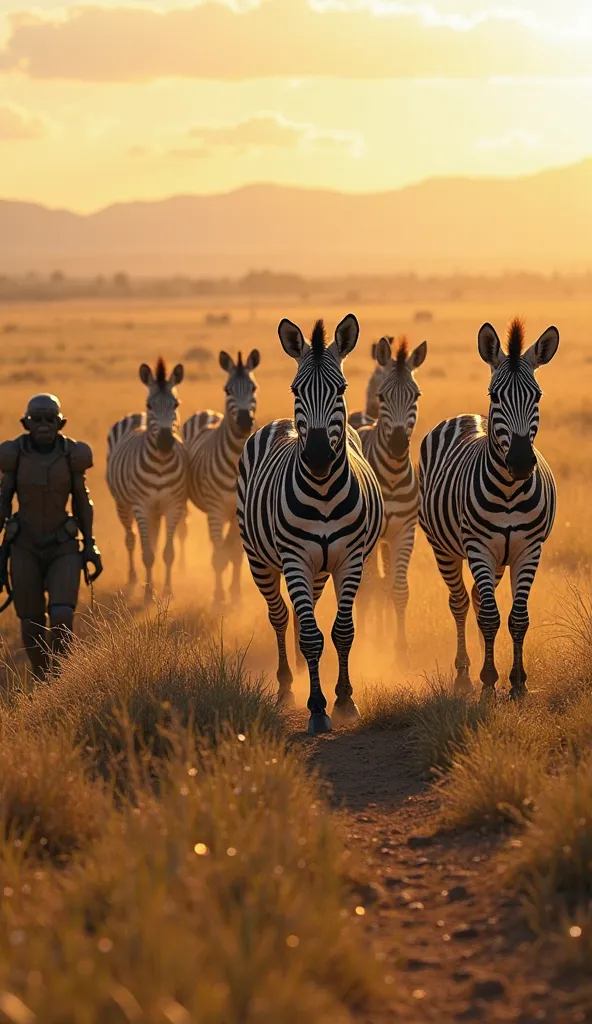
[402, 353]
[161, 374]
[515, 342]
[240, 366]
[317, 340]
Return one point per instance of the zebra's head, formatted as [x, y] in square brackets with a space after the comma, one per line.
[398, 393]
[240, 388]
[162, 419]
[515, 394]
[320, 414]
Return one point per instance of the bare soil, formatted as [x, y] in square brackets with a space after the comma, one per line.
[453, 939]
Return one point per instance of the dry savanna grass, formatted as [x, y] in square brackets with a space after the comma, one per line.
[211, 887]
[112, 776]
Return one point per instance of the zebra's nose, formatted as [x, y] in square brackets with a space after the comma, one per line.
[399, 442]
[318, 453]
[244, 420]
[521, 459]
[164, 439]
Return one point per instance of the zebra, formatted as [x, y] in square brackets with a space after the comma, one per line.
[385, 445]
[310, 507]
[488, 496]
[370, 413]
[214, 443]
[147, 472]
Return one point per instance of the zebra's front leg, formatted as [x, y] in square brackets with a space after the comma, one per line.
[145, 530]
[369, 591]
[126, 518]
[346, 581]
[401, 551]
[219, 554]
[269, 583]
[484, 573]
[182, 535]
[451, 567]
[522, 575]
[300, 584]
[235, 553]
[173, 518]
[476, 600]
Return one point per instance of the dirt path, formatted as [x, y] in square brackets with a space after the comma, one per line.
[454, 943]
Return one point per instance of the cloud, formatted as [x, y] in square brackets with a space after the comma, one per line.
[516, 138]
[17, 124]
[284, 38]
[267, 130]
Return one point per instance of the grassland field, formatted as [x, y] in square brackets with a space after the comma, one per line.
[89, 354]
[166, 853]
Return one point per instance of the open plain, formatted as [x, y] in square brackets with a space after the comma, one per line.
[447, 876]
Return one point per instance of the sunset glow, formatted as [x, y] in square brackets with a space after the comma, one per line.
[121, 100]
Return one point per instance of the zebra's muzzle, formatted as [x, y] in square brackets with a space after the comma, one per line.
[317, 453]
[245, 421]
[165, 440]
[521, 459]
[398, 442]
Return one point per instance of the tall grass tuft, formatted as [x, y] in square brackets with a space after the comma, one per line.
[127, 680]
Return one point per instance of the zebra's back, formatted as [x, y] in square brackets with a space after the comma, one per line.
[460, 498]
[138, 474]
[133, 421]
[212, 462]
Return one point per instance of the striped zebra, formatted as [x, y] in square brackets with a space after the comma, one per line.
[385, 445]
[214, 443]
[370, 413]
[488, 496]
[147, 472]
[310, 507]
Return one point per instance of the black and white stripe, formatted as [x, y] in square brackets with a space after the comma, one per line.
[386, 446]
[487, 496]
[214, 443]
[147, 472]
[310, 507]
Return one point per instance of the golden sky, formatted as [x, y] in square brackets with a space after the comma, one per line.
[117, 100]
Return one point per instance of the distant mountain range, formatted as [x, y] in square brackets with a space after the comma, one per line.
[541, 222]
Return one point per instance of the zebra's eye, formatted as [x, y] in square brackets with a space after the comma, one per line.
[494, 396]
[341, 390]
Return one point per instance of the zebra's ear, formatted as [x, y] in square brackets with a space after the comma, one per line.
[146, 375]
[253, 361]
[383, 352]
[292, 339]
[490, 348]
[346, 335]
[226, 361]
[177, 375]
[417, 357]
[544, 349]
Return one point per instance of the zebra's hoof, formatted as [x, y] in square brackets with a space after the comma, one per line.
[149, 597]
[286, 700]
[346, 713]
[319, 723]
[488, 697]
[462, 686]
[520, 692]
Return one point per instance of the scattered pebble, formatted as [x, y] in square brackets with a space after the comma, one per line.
[465, 932]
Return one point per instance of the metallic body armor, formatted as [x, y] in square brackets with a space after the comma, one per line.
[44, 470]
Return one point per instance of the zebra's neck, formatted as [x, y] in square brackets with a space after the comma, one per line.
[497, 468]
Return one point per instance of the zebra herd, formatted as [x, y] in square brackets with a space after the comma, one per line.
[321, 495]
